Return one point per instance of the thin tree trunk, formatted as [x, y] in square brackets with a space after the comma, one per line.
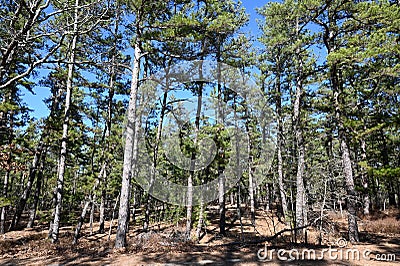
[107, 131]
[189, 203]
[221, 201]
[102, 204]
[31, 178]
[89, 204]
[80, 221]
[250, 172]
[338, 103]
[301, 215]
[112, 216]
[251, 194]
[201, 220]
[146, 223]
[63, 152]
[135, 189]
[351, 194]
[220, 119]
[92, 210]
[3, 214]
[322, 213]
[39, 158]
[238, 199]
[282, 190]
[364, 178]
[129, 157]
[36, 197]
[385, 158]
[346, 160]
[252, 197]
[238, 209]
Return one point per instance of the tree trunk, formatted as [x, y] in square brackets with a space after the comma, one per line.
[221, 201]
[301, 215]
[3, 214]
[107, 131]
[146, 223]
[129, 158]
[89, 204]
[31, 178]
[282, 190]
[238, 209]
[220, 118]
[135, 192]
[102, 204]
[39, 158]
[345, 154]
[92, 210]
[80, 221]
[329, 39]
[364, 178]
[189, 203]
[201, 220]
[112, 216]
[250, 172]
[39, 180]
[385, 158]
[64, 139]
[251, 194]
[351, 194]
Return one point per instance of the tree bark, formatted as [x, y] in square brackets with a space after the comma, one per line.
[89, 204]
[250, 170]
[220, 118]
[102, 204]
[345, 154]
[364, 177]
[301, 215]
[189, 203]
[36, 197]
[201, 220]
[64, 139]
[3, 214]
[27, 191]
[129, 158]
[282, 190]
[80, 221]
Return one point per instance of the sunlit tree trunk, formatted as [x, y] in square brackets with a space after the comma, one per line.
[301, 214]
[129, 157]
[281, 186]
[64, 138]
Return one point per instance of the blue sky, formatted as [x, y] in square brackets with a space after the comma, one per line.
[39, 109]
[250, 6]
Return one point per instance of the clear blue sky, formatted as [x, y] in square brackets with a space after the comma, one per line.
[35, 102]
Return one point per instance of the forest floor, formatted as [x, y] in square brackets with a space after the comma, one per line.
[162, 245]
